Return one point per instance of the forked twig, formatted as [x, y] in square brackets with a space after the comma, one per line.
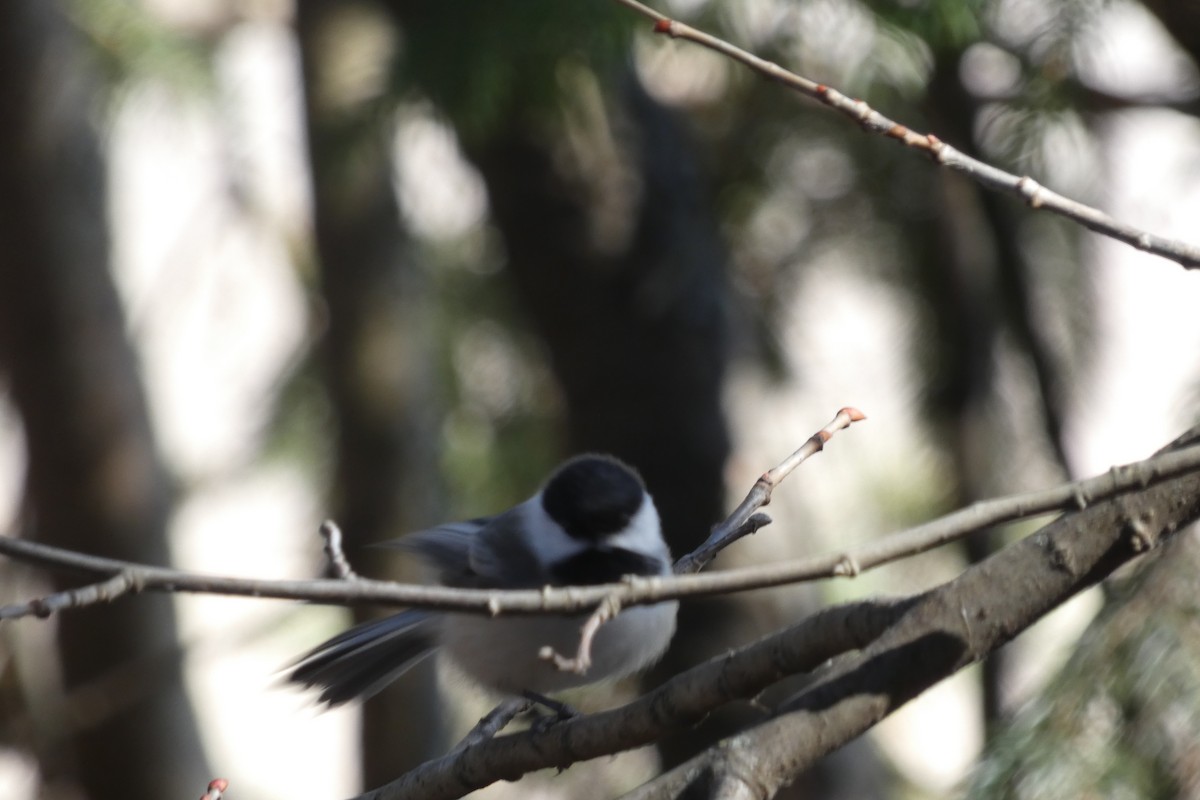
[742, 522]
[729, 531]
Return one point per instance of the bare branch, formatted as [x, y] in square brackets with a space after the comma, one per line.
[1029, 190]
[103, 592]
[638, 590]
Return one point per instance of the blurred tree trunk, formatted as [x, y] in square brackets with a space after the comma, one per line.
[634, 322]
[374, 356]
[95, 482]
[633, 317]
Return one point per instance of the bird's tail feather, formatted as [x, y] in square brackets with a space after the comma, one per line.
[361, 661]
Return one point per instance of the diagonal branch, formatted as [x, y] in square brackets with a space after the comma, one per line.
[1029, 190]
[948, 628]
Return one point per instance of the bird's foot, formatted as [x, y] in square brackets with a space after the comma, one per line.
[559, 711]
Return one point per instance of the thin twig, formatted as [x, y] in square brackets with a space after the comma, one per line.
[636, 590]
[582, 660]
[332, 534]
[703, 555]
[1029, 190]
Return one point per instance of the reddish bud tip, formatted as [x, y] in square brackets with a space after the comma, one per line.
[822, 89]
[220, 784]
[662, 26]
[853, 413]
[933, 140]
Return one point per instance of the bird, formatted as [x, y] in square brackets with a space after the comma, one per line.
[591, 522]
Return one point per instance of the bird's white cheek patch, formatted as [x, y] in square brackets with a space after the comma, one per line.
[644, 534]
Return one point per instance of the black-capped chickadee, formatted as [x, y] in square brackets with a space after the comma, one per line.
[592, 522]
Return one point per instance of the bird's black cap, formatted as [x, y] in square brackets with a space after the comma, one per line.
[592, 496]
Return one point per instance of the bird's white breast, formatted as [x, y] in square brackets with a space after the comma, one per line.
[501, 653]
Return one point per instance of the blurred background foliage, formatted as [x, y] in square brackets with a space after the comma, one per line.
[512, 230]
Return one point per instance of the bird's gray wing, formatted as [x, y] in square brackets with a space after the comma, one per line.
[486, 552]
[361, 661]
[500, 554]
[446, 548]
